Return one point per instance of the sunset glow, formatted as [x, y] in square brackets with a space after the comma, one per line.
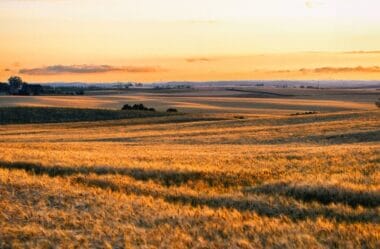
[148, 40]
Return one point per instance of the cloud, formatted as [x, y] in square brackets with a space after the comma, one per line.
[7, 70]
[327, 70]
[201, 59]
[85, 69]
[135, 69]
[359, 69]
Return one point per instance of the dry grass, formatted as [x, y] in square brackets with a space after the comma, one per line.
[210, 181]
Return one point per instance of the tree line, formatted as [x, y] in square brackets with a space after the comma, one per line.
[16, 86]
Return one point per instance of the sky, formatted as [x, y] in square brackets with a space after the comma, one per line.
[197, 40]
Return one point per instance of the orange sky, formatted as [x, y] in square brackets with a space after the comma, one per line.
[149, 40]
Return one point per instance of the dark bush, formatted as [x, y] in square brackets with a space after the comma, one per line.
[171, 110]
[304, 113]
[377, 103]
[137, 107]
[239, 117]
[127, 107]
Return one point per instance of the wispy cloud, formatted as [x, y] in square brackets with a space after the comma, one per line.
[7, 70]
[200, 59]
[85, 69]
[330, 70]
[359, 69]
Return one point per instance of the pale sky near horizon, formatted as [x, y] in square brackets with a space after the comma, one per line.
[150, 40]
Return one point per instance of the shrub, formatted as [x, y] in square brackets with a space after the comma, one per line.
[304, 113]
[377, 103]
[137, 107]
[239, 117]
[126, 107]
[171, 110]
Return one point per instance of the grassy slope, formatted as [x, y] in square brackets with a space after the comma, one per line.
[25, 115]
[281, 182]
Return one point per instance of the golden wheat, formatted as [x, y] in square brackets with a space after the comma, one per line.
[210, 181]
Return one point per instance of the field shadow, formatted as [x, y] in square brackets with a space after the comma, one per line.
[167, 178]
[322, 194]
[164, 177]
[35, 115]
[355, 137]
[252, 204]
[343, 138]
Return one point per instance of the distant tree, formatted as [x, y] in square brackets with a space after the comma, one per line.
[137, 107]
[30, 89]
[79, 92]
[126, 107]
[4, 87]
[15, 82]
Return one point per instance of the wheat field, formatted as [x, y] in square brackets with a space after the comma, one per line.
[193, 181]
[215, 100]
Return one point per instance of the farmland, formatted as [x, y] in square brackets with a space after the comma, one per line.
[229, 171]
[213, 100]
